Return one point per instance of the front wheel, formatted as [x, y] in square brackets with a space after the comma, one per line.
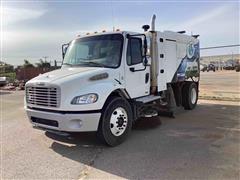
[116, 121]
[190, 96]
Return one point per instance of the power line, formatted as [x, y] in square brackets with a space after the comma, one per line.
[45, 58]
[215, 47]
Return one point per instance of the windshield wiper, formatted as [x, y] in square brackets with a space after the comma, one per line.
[91, 62]
[83, 59]
[67, 64]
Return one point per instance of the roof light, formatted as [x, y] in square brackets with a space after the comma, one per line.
[87, 33]
[117, 29]
[103, 30]
[95, 32]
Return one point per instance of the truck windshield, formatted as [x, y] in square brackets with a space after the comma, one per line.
[98, 51]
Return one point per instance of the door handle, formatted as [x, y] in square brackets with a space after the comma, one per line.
[146, 78]
[132, 69]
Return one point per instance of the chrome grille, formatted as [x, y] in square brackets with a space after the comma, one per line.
[43, 96]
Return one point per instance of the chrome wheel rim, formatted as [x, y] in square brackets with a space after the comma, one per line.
[193, 96]
[118, 121]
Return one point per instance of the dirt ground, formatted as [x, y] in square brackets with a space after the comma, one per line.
[221, 85]
[200, 144]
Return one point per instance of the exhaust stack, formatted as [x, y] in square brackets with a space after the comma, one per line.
[154, 55]
[153, 22]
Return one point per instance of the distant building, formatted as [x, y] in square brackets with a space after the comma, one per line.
[220, 58]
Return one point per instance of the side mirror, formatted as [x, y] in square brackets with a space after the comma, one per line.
[145, 61]
[145, 46]
[64, 49]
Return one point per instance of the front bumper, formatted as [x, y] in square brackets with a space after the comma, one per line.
[69, 122]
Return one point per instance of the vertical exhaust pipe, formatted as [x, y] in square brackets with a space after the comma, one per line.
[154, 55]
[153, 22]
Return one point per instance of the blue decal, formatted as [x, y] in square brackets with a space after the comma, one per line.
[189, 66]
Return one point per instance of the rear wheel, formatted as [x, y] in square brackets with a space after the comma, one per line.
[116, 122]
[190, 96]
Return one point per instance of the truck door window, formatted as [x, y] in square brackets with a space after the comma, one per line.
[134, 51]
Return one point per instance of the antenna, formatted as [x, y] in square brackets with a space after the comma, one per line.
[111, 3]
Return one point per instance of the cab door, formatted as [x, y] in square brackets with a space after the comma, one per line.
[137, 75]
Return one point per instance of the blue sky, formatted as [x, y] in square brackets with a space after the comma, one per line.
[33, 29]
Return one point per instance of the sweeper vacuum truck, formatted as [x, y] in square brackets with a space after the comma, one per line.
[110, 79]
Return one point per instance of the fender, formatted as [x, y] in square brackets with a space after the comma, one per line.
[102, 89]
[120, 92]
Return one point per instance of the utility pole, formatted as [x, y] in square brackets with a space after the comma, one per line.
[45, 58]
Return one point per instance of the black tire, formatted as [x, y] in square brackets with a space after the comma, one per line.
[187, 101]
[104, 133]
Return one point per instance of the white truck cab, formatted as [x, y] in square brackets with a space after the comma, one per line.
[110, 79]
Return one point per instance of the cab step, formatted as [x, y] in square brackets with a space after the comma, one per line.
[147, 99]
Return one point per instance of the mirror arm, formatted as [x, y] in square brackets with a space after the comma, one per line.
[132, 69]
[132, 35]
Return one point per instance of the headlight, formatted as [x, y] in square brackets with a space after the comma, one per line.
[85, 99]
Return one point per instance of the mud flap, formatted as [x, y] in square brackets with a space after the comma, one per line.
[171, 106]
